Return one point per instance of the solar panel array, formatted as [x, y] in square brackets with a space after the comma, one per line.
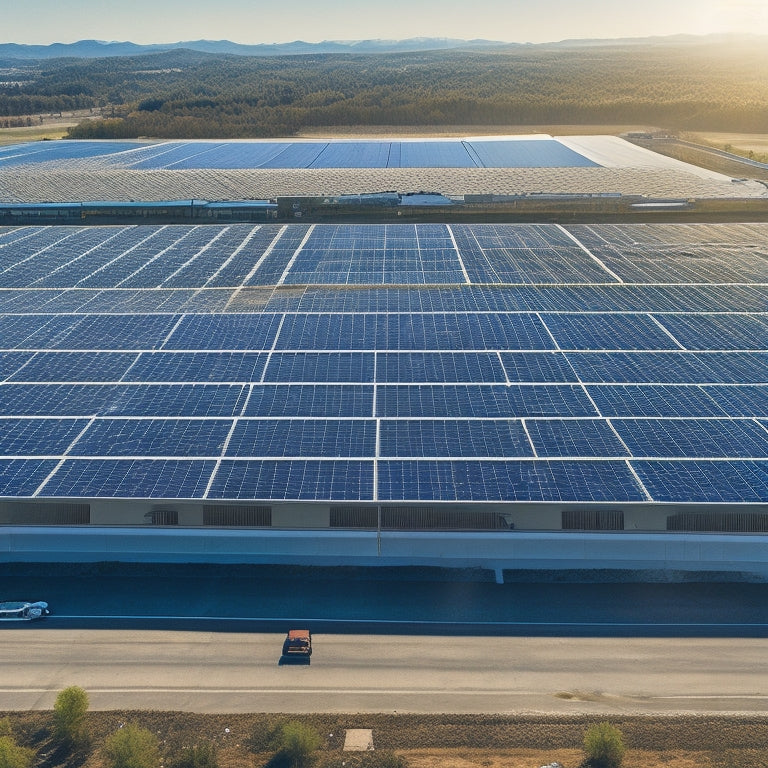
[182, 155]
[385, 363]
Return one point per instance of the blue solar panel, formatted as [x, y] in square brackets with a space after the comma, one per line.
[38, 437]
[441, 153]
[310, 400]
[230, 367]
[174, 340]
[314, 438]
[457, 437]
[528, 153]
[295, 156]
[318, 332]
[443, 331]
[712, 438]
[434, 154]
[718, 331]
[574, 438]
[705, 481]
[220, 331]
[121, 400]
[650, 400]
[233, 272]
[220, 400]
[475, 401]
[125, 478]
[640, 367]
[21, 477]
[353, 154]
[740, 400]
[538, 367]
[28, 331]
[114, 332]
[618, 331]
[437, 367]
[10, 362]
[507, 481]
[37, 152]
[54, 400]
[75, 366]
[343, 367]
[153, 437]
[735, 367]
[275, 262]
[300, 480]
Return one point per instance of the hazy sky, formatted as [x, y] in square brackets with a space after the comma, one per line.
[274, 21]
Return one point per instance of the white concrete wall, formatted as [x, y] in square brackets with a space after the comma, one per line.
[496, 550]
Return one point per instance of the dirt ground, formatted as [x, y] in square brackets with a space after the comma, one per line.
[425, 741]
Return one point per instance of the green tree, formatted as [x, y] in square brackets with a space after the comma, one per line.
[297, 743]
[132, 747]
[14, 756]
[604, 745]
[69, 713]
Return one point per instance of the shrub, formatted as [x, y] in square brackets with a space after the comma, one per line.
[14, 756]
[69, 712]
[199, 756]
[604, 746]
[132, 747]
[5, 727]
[297, 743]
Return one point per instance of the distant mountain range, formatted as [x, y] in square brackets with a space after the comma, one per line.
[90, 49]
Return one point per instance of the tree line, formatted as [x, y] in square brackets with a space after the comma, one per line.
[185, 94]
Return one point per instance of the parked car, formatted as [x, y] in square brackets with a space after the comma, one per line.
[20, 610]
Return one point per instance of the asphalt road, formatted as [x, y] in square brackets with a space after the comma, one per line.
[208, 639]
[239, 672]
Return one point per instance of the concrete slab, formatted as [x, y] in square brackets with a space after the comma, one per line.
[358, 740]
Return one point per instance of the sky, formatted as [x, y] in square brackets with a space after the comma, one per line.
[272, 21]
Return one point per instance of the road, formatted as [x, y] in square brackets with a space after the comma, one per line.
[207, 639]
[239, 672]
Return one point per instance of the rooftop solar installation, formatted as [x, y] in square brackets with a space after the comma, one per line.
[510, 152]
[398, 363]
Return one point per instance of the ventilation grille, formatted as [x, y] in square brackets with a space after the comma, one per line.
[354, 517]
[593, 520]
[231, 516]
[436, 519]
[162, 517]
[725, 522]
[45, 514]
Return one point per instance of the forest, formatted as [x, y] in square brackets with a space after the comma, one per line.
[185, 94]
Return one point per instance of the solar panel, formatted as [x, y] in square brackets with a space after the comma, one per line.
[338, 480]
[153, 437]
[390, 363]
[331, 438]
[714, 438]
[705, 481]
[507, 481]
[129, 478]
[38, 437]
[456, 437]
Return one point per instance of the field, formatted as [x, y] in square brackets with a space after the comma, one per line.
[44, 127]
[738, 143]
[438, 741]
